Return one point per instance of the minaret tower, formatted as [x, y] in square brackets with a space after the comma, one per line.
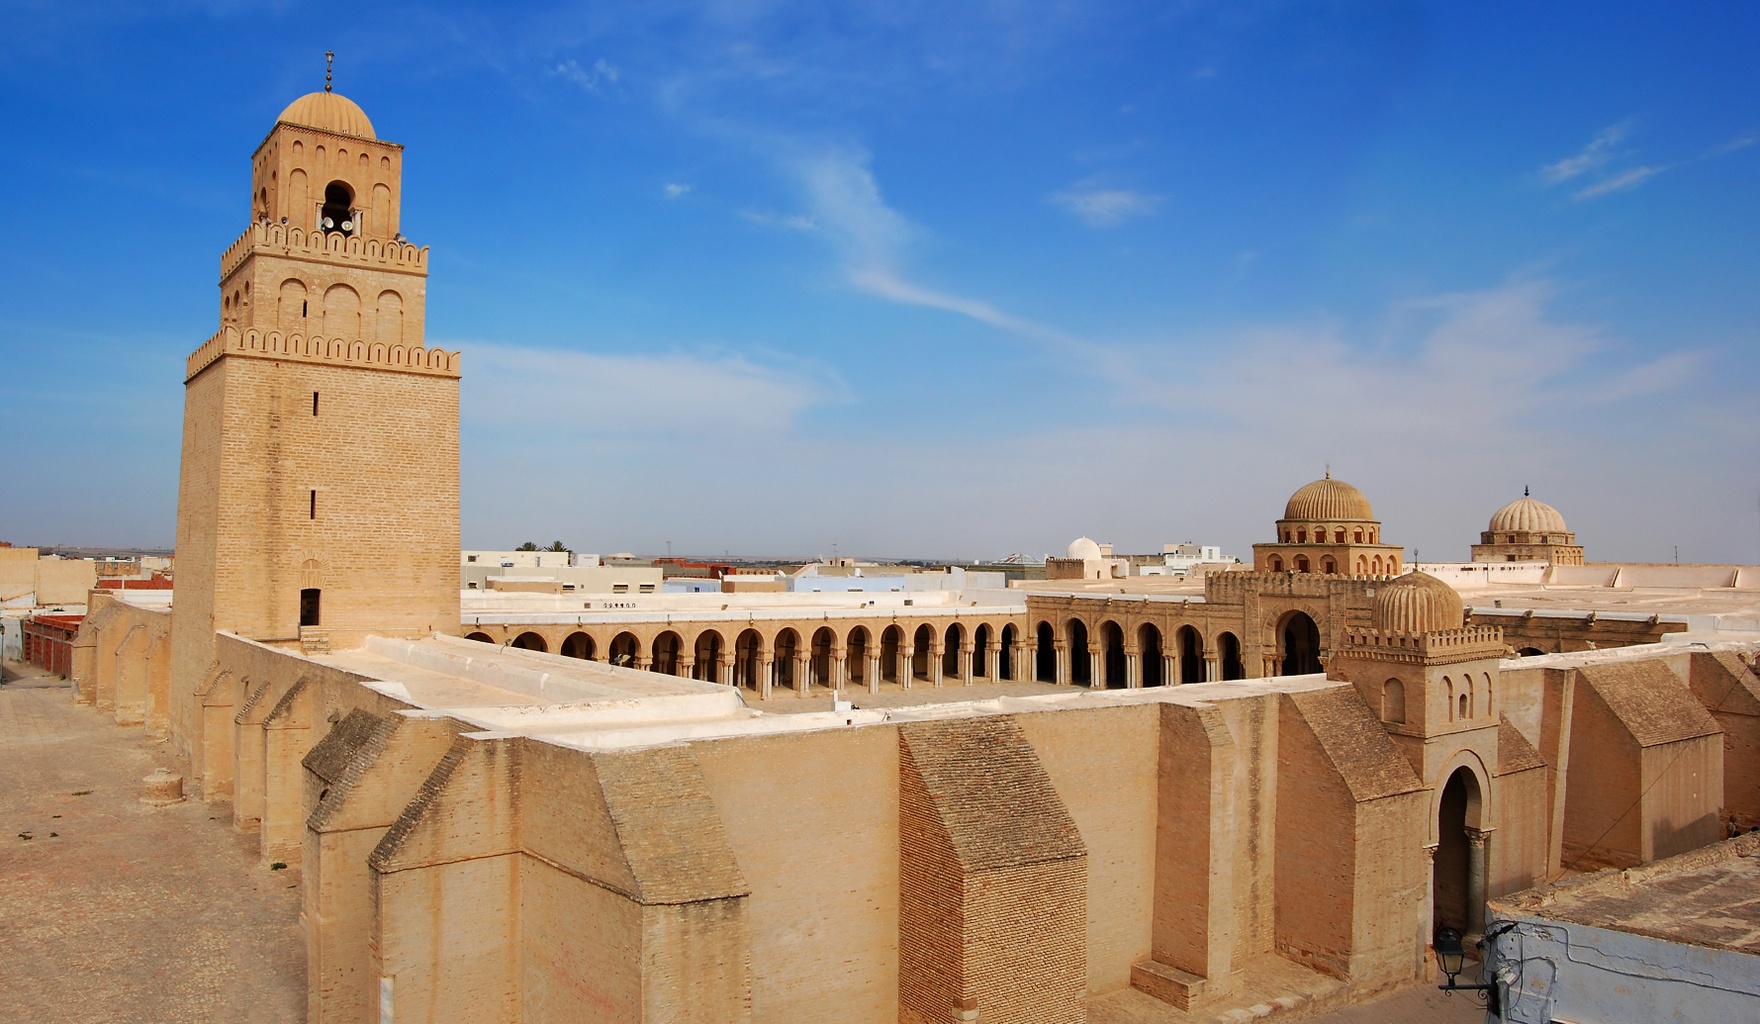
[318, 500]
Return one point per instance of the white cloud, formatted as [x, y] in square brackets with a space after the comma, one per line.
[1106, 207]
[787, 221]
[1440, 414]
[602, 73]
[1619, 183]
[1594, 155]
[550, 390]
[677, 189]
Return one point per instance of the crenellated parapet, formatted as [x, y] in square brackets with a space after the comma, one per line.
[1233, 586]
[434, 362]
[1438, 646]
[331, 247]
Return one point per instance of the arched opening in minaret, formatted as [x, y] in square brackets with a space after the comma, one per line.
[1300, 639]
[338, 215]
[1459, 890]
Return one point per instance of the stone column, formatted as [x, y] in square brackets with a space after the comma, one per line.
[1060, 675]
[1212, 670]
[1132, 677]
[687, 666]
[993, 655]
[873, 673]
[642, 662]
[936, 653]
[839, 669]
[1096, 668]
[1169, 669]
[1430, 895]
[907, 656]
[1477, 839]
[766, 674]
[803, 674]
[724, 669]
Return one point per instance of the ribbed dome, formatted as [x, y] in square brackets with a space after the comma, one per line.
[1526, 515]
[1418, 603]
[330, 112]
[1084, 548]
[1328, 499]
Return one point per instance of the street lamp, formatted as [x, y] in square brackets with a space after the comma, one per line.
[1451, 956]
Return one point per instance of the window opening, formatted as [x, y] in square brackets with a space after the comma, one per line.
[338, 215]
[308, 606]
[314, 403]
[314, 512]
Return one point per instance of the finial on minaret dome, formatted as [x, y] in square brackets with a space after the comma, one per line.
[1329, 471]
[1524, 490]
[329, 58]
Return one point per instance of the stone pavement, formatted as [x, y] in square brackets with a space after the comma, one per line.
[115, 911]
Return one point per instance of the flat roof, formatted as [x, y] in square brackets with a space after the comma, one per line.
[1707, 897]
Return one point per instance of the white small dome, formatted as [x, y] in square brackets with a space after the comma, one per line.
[1084, 548]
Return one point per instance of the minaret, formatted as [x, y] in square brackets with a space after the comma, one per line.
[318, 501]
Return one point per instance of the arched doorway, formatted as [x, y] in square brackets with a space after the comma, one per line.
[530, 642]
[1080, 670]
[482, 638]
[952, 646]
[623, 649]
[577, 645]
[1112, 661]
[981, 651]
[1191, 655]
[1045, 655]
[823, 640]
[787, 644]
[748, 660]
[1228, 652]
[1458, 898]
[1005, 657]
[708, 655]
[1300, 639]
[1149, 656]
[921, 641]
[856, 656]
[891, 642]
[666, 650]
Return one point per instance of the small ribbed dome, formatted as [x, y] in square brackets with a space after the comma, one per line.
[1084, 548]
[1526, 515]
[1328, 499]
[331, 112]
[1418, 603]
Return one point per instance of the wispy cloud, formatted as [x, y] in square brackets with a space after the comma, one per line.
[1106, 207]
[872, 238]
[772, 219]
[1601, 152]
[1591, 157]
[1619, 183]
[603, 73]
[677, 189]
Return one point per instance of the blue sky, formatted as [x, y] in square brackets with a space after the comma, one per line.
[925, 279]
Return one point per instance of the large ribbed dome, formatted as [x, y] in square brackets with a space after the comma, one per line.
[1328, 499]
[329, 112]
[1084, 548]
[1418, 603]
[1526, 515]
